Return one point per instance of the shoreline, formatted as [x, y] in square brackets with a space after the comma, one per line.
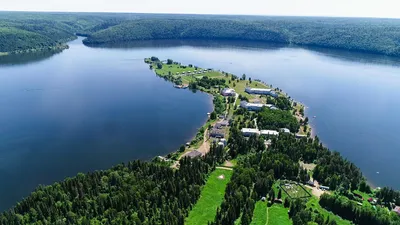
[312, 127]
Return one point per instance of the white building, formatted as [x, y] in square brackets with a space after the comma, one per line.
[285, 130]
[258, 91]
[261, 91]
[269, 132]
[255, 106]
[250, 131]
[252, 106]
[228, 92]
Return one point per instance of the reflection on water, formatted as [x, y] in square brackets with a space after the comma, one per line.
[25, 58]
[193, 43]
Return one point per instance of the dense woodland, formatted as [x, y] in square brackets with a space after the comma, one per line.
[136, 193]
[27, 31]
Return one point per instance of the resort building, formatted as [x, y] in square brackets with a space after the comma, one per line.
[216, 133]
[221, 124]
[228, 92]
[301, 136]
[260, 91]
[255, 106]
[194, 154]
[250, 131]
[397, 210]
[324, 188]
[269, 132]
[285, 130]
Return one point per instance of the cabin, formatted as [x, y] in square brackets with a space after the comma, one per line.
[269, 132]
[324, 188]
[228, 92]
[247, 132]
[194, 154]
[311, 183]
[285, 130]
[397, 210]
[301, 136]
[221, 124]
[216, 133]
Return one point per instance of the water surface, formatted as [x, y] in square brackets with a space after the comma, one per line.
[91, 108]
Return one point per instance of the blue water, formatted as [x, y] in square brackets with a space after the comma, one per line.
[91, 108]
[87, 109]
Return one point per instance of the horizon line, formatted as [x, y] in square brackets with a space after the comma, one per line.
[198, 14]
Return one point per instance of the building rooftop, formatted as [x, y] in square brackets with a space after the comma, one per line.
[397, 210]
[269, 132]
[258, 89]
[250, 130]
[285, 130]
[194, 154]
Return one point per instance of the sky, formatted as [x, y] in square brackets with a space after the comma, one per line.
[339, 8]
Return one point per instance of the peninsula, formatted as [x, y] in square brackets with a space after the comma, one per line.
[253, 162]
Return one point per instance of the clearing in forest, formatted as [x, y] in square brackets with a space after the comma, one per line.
[278, 215]
[260, 214]
[294, 190]
[211, 198]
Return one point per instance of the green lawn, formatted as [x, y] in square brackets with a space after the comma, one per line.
[314, 204]
[211, 198]
[278, 215]
[238, 86]
[260, 213]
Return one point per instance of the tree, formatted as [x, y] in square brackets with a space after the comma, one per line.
[182, 148]
[280, 193]
[244, 77]
[170, 61]
[213, 116]
[159, 65]
[271, 194]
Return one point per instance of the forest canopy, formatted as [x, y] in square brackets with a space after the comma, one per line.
[27, 31]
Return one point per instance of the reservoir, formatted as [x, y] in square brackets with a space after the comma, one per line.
[87, 108]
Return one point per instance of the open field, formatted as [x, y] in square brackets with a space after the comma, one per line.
[211, 198]
[316, 207]
[294, 190]
[278, 215]
[260, 213]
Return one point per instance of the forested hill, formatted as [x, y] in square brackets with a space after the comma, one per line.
[27, 31]
[21, 32]
[366, 35]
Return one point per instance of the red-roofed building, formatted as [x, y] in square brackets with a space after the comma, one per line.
[397, 210]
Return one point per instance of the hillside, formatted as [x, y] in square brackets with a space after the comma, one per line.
[27, 31]
[366, 35]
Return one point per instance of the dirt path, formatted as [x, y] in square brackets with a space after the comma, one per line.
[223, 168]
[228, 164]
[205, 147]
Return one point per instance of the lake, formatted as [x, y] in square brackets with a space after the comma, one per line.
[90, 108]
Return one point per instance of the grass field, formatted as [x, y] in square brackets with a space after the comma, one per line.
[313, 203]
[211, 198]
[278, 215]
[294, 190]
[238, 85]
[260, 214]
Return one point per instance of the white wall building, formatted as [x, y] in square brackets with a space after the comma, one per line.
[250, 131]
[255, 106]
[228, 92]
[261, 91]
[269, 132]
